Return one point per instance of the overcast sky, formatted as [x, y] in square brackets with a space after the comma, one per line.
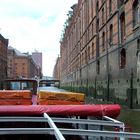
[35, 25]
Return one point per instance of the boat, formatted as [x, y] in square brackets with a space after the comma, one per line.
[31, 120]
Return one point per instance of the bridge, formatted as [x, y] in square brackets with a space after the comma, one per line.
[48, 82]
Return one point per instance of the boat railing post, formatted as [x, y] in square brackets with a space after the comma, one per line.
[101, 129]
[122, 130]
[121, 127]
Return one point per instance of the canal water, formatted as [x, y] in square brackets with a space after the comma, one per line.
[52, 89]
[131, 118]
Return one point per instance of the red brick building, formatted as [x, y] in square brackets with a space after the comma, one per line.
[100, 49]
[21, 64]
[3, 58]
[57, 69]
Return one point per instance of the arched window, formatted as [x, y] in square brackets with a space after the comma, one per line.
[110, 6]
[88, 52]
[93, 49]
[111, 33]
[85, 56]
[138, 44]
[121, 2]
[138, 47]
[122, 58]
[82, 58]
[97, 6]
[122, 25]
[103, 41]
[103, 12]
[135, 13]
[98, 67]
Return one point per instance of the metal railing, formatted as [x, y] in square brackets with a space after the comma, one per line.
[60, 133]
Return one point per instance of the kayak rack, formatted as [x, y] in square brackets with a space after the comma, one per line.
[99, 132]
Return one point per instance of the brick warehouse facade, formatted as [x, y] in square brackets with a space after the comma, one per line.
[21, 65]
[100, 50]
[3, 58]
[57, 69]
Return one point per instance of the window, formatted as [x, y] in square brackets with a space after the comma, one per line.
[97, 25]
[122, 22]
[98, 67]
[122, 58]
[103, 16]
[135, 13]
[92, 49]
[138, 47]
[138, 44]
[85, 56]
[111, 33]
[97, 6]
[103, 41]
[121, 2]
[89, 53]
[82, 58]
[110, 6]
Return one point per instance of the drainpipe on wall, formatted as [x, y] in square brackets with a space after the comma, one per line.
[131, 89]
[118, 34]
[108, 73]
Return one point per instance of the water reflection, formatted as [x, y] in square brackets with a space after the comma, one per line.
[51, 88]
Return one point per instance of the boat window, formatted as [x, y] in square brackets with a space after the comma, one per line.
[15, 85]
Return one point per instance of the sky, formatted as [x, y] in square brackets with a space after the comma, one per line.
[35, 25]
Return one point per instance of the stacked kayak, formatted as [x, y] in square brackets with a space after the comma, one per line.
[21, 102]
[60, 98]
[15, 97]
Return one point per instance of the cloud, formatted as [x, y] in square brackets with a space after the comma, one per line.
[35, 24]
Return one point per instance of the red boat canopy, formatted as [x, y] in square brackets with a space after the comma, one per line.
[109, 110]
